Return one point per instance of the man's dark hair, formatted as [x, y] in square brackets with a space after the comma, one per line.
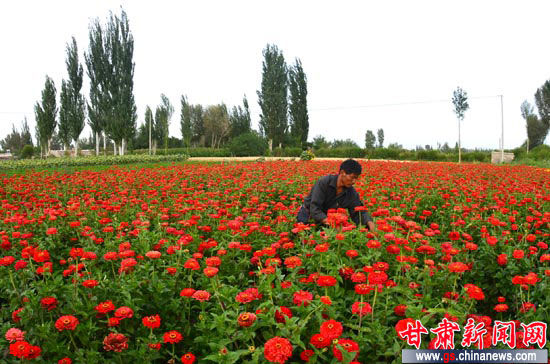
[351, 166]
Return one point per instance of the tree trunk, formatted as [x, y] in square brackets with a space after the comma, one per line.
[49, 146]
[270, 145]
[104, 143]
[459, 151]
[97, 143]
[76, 147]
[114, 147]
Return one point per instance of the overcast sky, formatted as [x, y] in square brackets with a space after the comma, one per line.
[369, 64]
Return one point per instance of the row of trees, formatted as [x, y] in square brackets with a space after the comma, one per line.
[284, 119]
[111, 109]
[370, 139]
[537, 125]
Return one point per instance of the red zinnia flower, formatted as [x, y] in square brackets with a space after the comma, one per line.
[348, 345]
[151, 321]
[277, 350]
[400, 310]
[67, 322]
[402, 325]
[33, 352]
[320, 341]
[188, 358]
[105, 307]
[90, 283]
[172, 337]
[302, 298]
[246, 319]
[115, 342]
[124, 312]
[20, 349]
[282, 313]
[201, 296]
[326, 281]
[501, 307]
[65, 361]
[361, 308]
[48, 303]
[377, 277]
[457, 267]
[187, 292]
[331, 329]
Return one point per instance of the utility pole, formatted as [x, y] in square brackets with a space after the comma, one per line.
[502, 137]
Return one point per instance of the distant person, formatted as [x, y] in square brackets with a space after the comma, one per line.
[335, 191]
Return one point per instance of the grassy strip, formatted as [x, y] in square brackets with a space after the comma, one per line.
[107, 161]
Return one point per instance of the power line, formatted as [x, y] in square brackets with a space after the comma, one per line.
[396, 104]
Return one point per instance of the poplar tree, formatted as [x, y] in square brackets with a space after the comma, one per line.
[239, 119]
[272, 97]
[370, 140]
[380, 133]
[163, 114]
[99, 73]
[110, 66]
[46, 113]
[460, 102]
[299, 119]
[64, 127]
[185, 122]
[76, 99]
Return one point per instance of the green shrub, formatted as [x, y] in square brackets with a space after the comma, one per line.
[27, 152]
[88, 161]
[307, 155]
[248, 144]
[287, 152]
[340, 152]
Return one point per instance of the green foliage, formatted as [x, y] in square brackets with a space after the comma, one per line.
[339, 143]
[15, 141]
[111, 70]
[539, 153]
[197, 125]
[27, 151]
[340, 152]
[216, 125]
[460, 102]
[239, 119]
[307, 155]
[46, 113]
[272, 97]
[287, 152]
[370, 139]
[64, 128]
[76, 106]
[163, 114]
[299, 118]
[88, 161]
[248, 144]
[319, 142]
[380, 133]
[185, 121]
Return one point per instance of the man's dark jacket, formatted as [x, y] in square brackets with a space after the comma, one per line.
[322, 197]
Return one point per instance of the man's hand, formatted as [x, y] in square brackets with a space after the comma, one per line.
[370, 224]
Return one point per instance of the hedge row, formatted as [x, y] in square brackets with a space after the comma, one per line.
[88, 161]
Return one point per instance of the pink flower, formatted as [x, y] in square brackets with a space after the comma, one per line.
[15, 334]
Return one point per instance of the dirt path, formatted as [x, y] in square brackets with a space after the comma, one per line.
[244, 159]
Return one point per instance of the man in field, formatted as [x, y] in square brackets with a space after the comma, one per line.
[335, 191]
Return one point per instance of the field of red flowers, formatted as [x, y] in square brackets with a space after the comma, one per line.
[205, 263]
